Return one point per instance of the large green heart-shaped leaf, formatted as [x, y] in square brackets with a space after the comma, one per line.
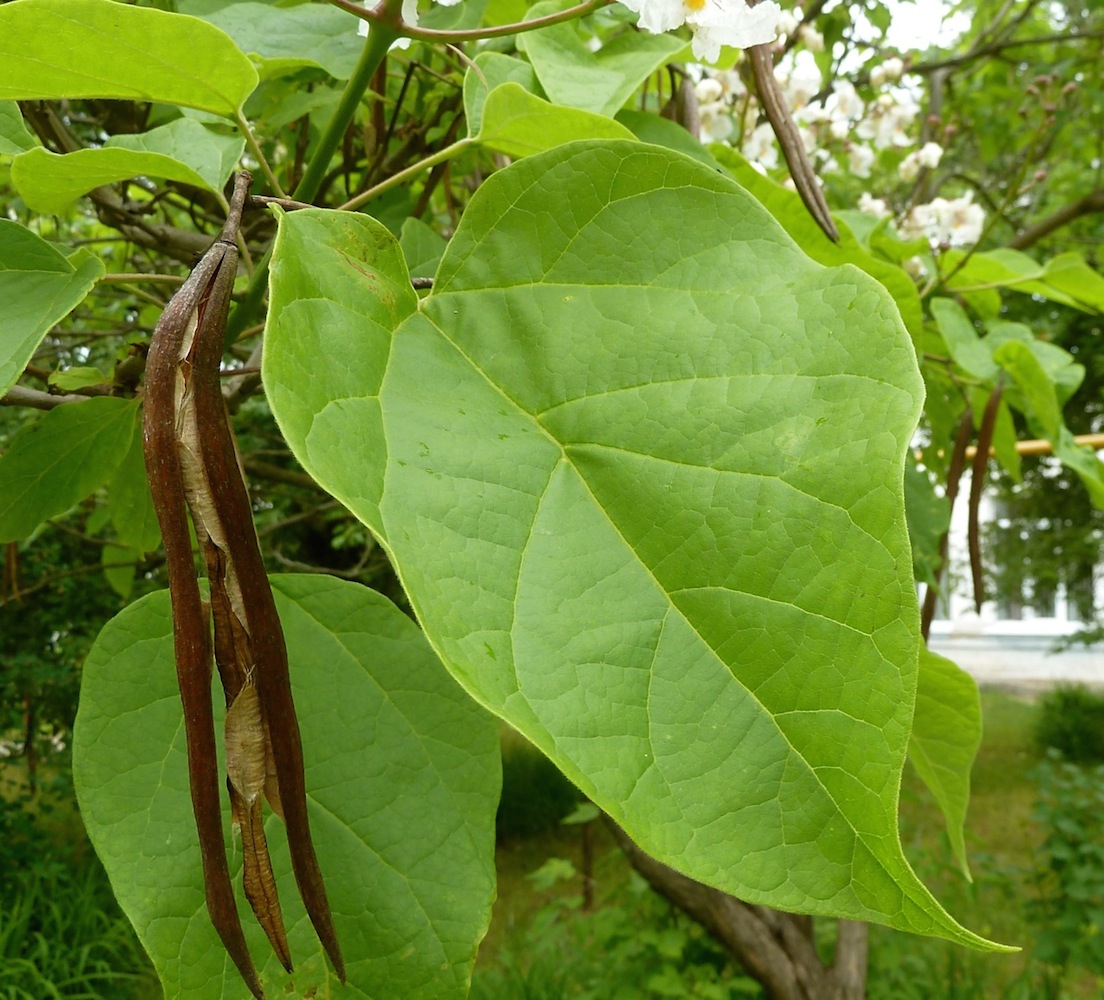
[638, 462]
[402, 779]
[97, 48]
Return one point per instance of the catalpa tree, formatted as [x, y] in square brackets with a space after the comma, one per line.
[629, 426]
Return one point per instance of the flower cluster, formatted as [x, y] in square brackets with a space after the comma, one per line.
[946, 222]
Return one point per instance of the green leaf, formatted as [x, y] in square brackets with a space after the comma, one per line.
[518, 123]
[285, 39]
[402, 777]
[422, 247]
[973, 355]
[1057, 364]
[1036, 389]
[118, 568]
[794, 217]
[1066, 279]
[1038, 398]
[1071, 275]
[14, 137]
[638, 463]
[130, 502]
[182, 151]
[651, 128]
[946, 734]
[71, 379]
[53, 49]
[60, 459]
[38, 287]
[602, 81]
[489, 70]
[929, 517]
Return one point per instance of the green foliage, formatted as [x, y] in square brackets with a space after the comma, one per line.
[946, 733]
[635, 944]
[182, 150]
[88, 48]
[61, 936]
[1070, 908]
[403, 772]
[1071, 721]
[39, 285]
[637, 459]
[539, 506]
[58, 460]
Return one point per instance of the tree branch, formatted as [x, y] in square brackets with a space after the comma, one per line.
[775, 948]
[997, 47]
[1091, 203]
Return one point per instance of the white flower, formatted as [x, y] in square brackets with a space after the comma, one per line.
[713, 22]
[845, 101]
[812, 39]
[716, 122]
[887, 120]
[873, 206]
[888, 71]
[798, 85]
[760, 147]
[787, 23]
[860, 158]
[928, 156]
[956, 222]
[709, 91]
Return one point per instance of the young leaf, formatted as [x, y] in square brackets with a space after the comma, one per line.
[182, 151]
[518, 123]
[638, 462]
[60, 459]
[14, 136]
[90, 48]
[946, 733]
[600, 82]
[488, 71]
[38, 286]
[403, 777]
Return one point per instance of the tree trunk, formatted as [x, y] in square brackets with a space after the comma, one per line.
[775, 948]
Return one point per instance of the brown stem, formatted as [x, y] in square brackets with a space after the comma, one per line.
[793, 148]
[954, 477]
[1090, 204]
[775, 948]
